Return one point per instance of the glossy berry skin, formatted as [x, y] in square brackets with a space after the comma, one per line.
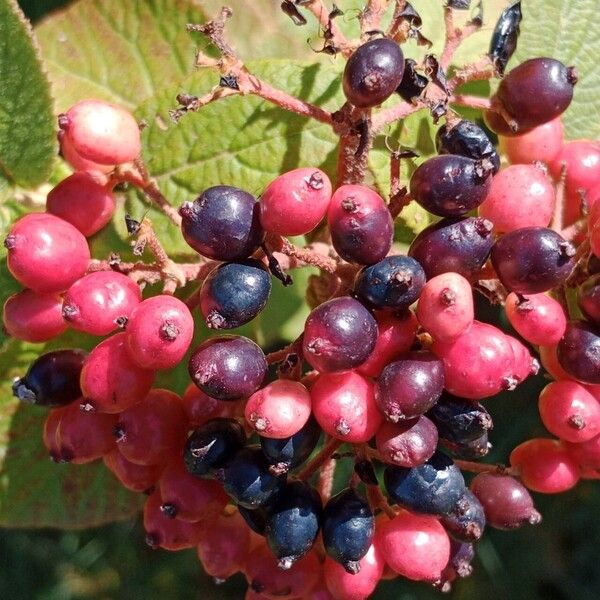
[111, 380]
[578, 352]
[498, 124]
[102, 132]
[588, 299]
[445, 308]
[287, 453]
[339, 335]
[545, 466]
[505, 36]
[137, 478]
[545, 79]
[505, 500]
[52, 379]
[222, 223]
[80, 164]
[450, 185]
[296, 202]
[99, 302]
[49, 433]
[549, 360]
[247, 479]
[373, 72]
[234, 293]
[83, 202]
[360, 224]
[543, 144]
[585, 454]
[33, 317]
[537, 318]
[152, 431]
[348, 528]
[228, 367]
[279, 410]
[459, 420]
[478, 364]
[468, 139]
[159, 332]
[532, 260]
[524, 364]
[396, 335]
[294, 521]
[415, 546]
[201, 408]
[256, 518]
[410, 386]
[212, 445]
[413, 83]
[45, 253]
[393, 283]
[468, 450]
[466, 522]
[519, 196]
[453, 245]
[407, 444]
[344, 406]
[462, 555]
[188, 498]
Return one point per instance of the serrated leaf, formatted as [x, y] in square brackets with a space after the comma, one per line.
[27, 131]
[566, 30]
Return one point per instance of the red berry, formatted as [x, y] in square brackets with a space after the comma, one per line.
[102, 132]
[100, 302]
[344, 406]
[159, 332]
[81, 164]
[585, 454]
[33, 317]
[46, 253]
[279, 410]
[110, 380]
[549, 361]
[200, 408]
[137, 478]
[524, 364]
[295, 203]
[408, 443]
[50, 432]
[542, 143]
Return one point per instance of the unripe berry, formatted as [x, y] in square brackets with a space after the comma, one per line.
[137, 478]
[80, 164]
[549, 360]
[538, 318]
[201, 408]
[585, 454]
[524, 364]
[408, 443]
[49, 434]
[542, 143]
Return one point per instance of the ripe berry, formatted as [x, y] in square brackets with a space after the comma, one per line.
[542, 143]
[505, 36]
[344, 405]
[537, 318]
[256, 519]
[234, 293]
[338, 335]
[200, 408]
[33, 317]
[588, 299]
[373, 72]
[111, 380]
[459, 420]
[459, 565]
[498, 124]
[415, 546]
[46, 253]
[409, 386]
[222, 223]
[83, 202]
[153, 430]
[470, 449]
[102, 132]
[100, 302]
[450, 185]
[279, 410]
[413, 83]
[348, 529]
[519, 196]
[578, 351]
[585, 454]
[228, 367]
[408, 443]
[80, 164]
[295, 203]
[453, 245]
[506, 502]
[50, 431]
[52, 379]
[466, 522]
[393, 283]
[361, 225]
[137, 478]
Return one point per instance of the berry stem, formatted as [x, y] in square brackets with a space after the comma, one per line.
[390, 115]
[370, 17]
[476, 102]
[559, 209]
[378, 501]
[308, 255]
[326, 475]
[454, 36]
[338, 40]
[475, 467]
[573, 230]
[480, 70]
[294, 347]
[330, 446]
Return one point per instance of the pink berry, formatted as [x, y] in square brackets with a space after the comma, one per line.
[524, 364]
[279, 410]
[542, 143]
[538, 318]
[586, 454]
[102, 132]
[33, 317]
[83, 202]
[137, 478]
[100, 302]
[110, 380]
[415, 546]
[46, 253]
[520, 196]
[49, 433]
[344, 406]
[545, 466]
[477, 364]
[409, 443]
[445, 306]
[81, 164]
[569, 411]
[295, 203]
[549, 361]
[199, 407]
[159, 332]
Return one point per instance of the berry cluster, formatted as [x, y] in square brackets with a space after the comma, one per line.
[390, 369]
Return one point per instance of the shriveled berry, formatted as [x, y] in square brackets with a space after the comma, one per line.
[459, 420]
[466, 521]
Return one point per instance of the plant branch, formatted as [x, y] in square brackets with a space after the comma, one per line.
[330, 446]
[454, 36]
[395, 113]
[471, 101]
[475, 467]
[337, 38]
[370, 18]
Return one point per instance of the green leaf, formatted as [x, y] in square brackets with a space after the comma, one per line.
[27, 133]
[565, 30]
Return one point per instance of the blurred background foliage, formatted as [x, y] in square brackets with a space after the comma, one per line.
[556, 560]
